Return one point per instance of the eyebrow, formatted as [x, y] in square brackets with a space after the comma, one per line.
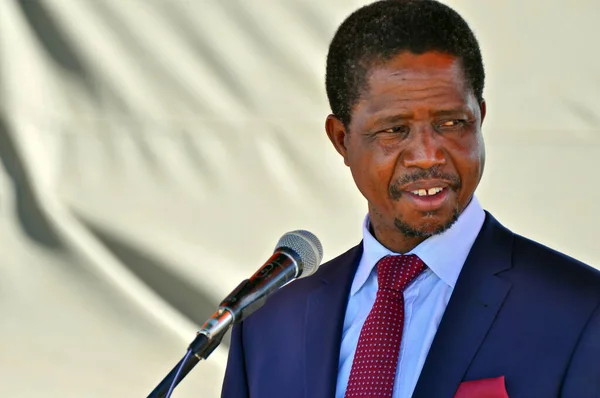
[450, 112]
[399, 117]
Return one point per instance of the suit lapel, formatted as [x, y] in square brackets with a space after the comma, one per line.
[324, 319]
[472, 308]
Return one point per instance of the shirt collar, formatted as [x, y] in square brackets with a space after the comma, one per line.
[444, 253]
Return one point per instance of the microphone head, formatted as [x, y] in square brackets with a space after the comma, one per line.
[308, 248]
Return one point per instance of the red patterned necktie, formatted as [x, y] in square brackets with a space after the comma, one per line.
[376, 358]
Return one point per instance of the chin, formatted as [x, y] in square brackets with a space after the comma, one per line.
[428, 225]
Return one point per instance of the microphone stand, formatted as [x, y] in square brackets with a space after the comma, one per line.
[207, 339]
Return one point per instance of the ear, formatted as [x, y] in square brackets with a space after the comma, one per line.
[483, 109]
[336, 131]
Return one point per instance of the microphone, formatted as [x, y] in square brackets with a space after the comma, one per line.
[297, 254]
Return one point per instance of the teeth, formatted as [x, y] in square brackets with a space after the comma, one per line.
[426, 192]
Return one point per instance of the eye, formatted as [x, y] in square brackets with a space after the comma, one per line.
[451, 124]
[394, 131]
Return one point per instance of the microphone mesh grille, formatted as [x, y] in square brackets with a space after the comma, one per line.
[307, 246]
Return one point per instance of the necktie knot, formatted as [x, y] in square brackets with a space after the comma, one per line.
[397, 272]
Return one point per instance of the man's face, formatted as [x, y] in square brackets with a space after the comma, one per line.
[414, 144]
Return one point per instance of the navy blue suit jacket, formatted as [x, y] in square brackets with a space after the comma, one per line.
[519, 310]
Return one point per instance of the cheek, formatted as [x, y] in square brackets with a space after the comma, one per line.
[481, 157]
[470, 160]
[372, 171]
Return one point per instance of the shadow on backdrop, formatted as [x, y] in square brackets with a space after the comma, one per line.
[174, 289]
[32, 219]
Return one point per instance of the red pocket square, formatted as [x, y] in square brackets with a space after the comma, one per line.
[483, 388]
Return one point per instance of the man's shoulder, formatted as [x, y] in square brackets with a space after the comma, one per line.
[329, 270]
[533, 258]
[346, 259]
[295, 293]
[538, 268]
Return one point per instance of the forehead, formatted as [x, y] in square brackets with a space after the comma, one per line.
[408, 80]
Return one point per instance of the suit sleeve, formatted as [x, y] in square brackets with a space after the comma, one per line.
[582, 379]
[235, 383]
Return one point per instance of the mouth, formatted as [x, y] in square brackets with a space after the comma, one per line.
[427, 192]
[428, 200]
[427, 196]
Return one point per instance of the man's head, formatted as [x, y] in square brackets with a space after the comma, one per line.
[405, 83]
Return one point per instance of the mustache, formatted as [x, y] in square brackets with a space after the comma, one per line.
[433, 173]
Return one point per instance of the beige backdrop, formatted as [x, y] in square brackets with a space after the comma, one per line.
[153, 152]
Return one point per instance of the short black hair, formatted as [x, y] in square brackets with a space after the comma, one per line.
[378, 31]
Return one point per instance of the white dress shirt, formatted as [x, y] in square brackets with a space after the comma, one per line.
[425, 300]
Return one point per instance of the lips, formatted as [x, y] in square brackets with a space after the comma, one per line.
[425, 185]
[427, 195]
[427, 192]
[427, 203]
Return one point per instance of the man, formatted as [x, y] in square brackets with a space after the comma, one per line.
[439, 299]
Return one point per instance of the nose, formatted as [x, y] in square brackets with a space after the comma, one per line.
[424, 150]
